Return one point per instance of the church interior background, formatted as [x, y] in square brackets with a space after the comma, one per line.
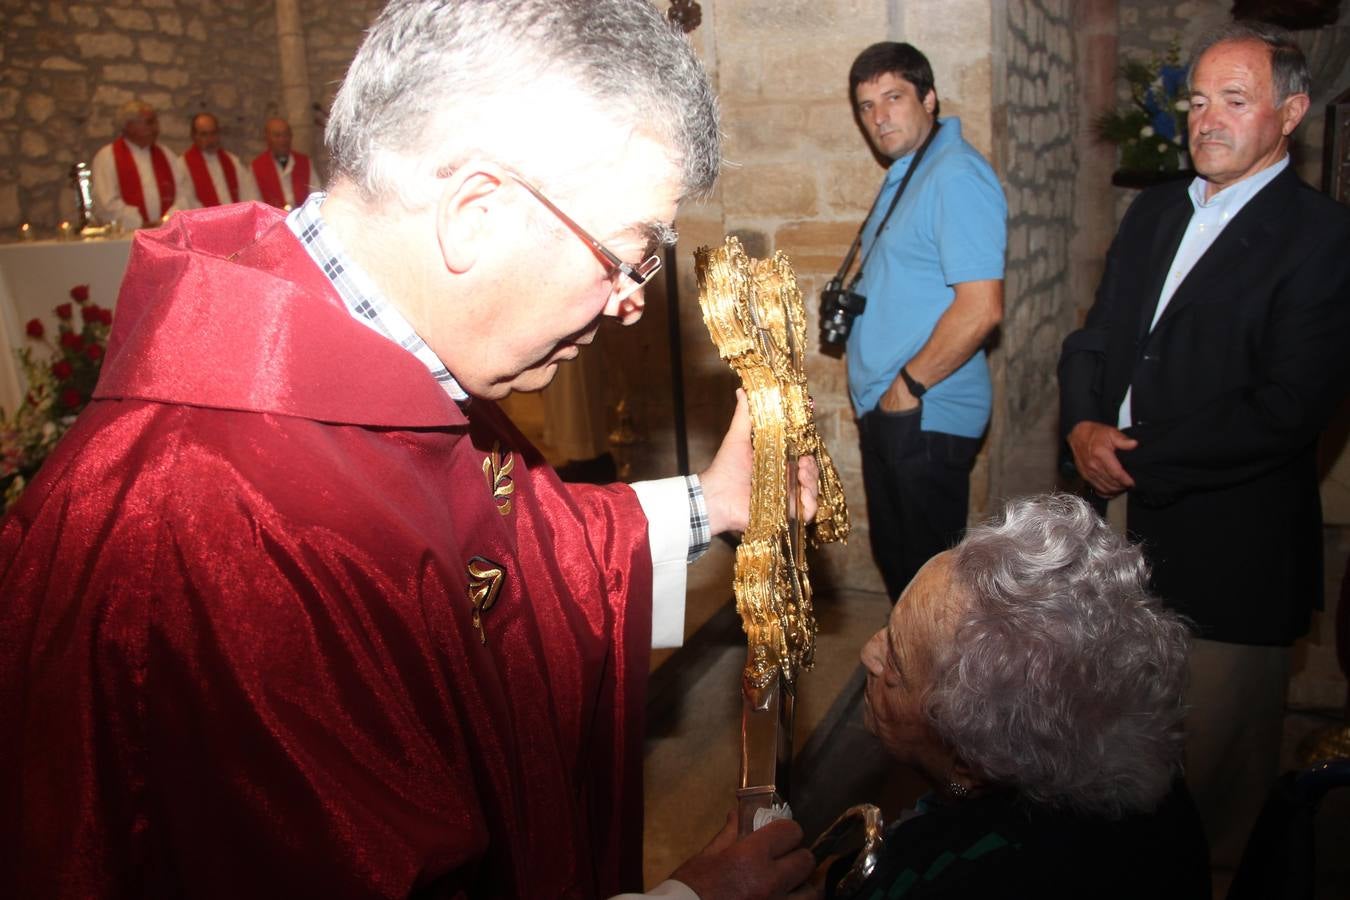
[1026, 77]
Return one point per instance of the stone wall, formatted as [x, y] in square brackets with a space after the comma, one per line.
[1041, 115]
[66, 67]
[1094, 218]
[800, 178]
[1148, 29]
[333, 31]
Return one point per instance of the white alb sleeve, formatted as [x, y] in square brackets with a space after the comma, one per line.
[665, 503]
[670, 889]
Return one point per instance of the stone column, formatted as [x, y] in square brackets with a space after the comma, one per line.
[295, 95]
[1095, 38]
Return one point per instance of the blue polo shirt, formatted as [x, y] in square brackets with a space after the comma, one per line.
[950, 227]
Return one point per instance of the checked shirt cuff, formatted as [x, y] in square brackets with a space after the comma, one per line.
[700, 534]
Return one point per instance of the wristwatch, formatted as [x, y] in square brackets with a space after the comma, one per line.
[915, 388]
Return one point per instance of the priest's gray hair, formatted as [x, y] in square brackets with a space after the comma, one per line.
[1064, 676]
[132, 110]
[1288, 66]
[437, 82]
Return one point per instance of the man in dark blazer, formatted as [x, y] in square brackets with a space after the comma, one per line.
[1216, 352]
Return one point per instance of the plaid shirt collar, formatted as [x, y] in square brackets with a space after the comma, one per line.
[359, 294]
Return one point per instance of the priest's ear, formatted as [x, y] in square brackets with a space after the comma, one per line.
[469, 213]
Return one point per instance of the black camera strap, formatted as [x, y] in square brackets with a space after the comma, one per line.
[895, 201]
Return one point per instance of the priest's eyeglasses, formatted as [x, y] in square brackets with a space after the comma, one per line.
[634, 276]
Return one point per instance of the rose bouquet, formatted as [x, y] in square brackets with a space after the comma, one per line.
[60, 383]
[1150, 129]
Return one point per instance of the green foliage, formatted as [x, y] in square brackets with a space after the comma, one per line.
[60, 385]
[1150, 129]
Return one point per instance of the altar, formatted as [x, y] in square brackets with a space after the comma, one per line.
[36, 276]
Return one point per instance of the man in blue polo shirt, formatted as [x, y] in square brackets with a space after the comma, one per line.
[932, 273]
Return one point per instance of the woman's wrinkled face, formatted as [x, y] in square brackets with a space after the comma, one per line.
[898, 659]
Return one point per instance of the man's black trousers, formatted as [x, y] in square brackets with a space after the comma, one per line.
[918, 490]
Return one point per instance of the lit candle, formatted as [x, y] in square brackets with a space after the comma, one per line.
[25, 232]
[65, 231]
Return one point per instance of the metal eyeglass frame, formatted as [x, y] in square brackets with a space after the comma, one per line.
[637, 276]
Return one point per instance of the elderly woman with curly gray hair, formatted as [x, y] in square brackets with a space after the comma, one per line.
[1029, 676]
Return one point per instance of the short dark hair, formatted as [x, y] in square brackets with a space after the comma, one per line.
[902, 60]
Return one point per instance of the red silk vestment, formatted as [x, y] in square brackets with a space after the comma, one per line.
[239, 655]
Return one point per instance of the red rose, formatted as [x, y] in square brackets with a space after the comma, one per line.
[94, 352]
[79, 293]
[35, 329]
[62, 369]
[72, 340]
[63, 311]
[105, 316]
[71, 398]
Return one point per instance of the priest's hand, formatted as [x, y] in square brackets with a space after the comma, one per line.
[726, 482]
[769, 863]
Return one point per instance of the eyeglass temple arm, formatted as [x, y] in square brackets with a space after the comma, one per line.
[629, 271]
[581, 232]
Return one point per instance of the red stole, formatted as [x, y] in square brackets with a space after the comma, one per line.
[201, 176]
[269, 183]
[129, 178]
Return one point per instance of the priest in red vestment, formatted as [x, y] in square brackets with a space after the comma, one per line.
[293, 610]
[218, 177]
[285, 176]
[136, 182]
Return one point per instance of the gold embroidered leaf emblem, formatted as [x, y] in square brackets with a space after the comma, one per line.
[497, 470]
[485, 583]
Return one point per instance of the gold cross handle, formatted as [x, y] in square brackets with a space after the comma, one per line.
[753, 310]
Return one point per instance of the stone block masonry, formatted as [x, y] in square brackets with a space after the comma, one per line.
[66, 67]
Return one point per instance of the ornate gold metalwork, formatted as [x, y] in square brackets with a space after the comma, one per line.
[864, 819]
[485, 583]
[753, 310]
[1323, 744]
[497, 468]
